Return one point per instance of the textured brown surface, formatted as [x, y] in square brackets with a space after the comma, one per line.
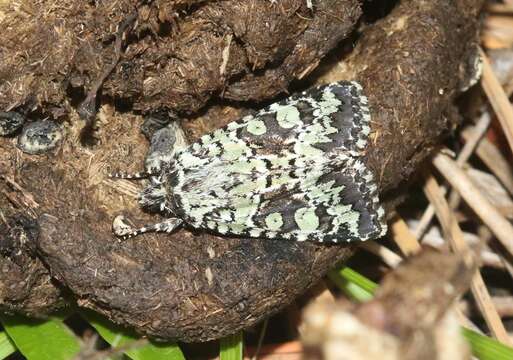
[173, 56]
[27, 288]
[26, 285]
[198, 287]
[416, 66]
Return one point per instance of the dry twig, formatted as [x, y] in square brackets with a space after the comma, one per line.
[404, 238]
[497, 223]
[493, 159]
[476, 133]
[500, 8]
[455, 237]
[498, 99]
[503, 304]
[387, 256]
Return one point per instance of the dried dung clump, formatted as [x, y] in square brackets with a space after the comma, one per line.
[176, 56]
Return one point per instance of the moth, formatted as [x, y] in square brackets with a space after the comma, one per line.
[293, 170]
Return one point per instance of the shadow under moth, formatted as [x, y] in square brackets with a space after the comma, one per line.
[293, 170]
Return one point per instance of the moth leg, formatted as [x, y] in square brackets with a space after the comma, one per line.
[167, 226]
[120, 226]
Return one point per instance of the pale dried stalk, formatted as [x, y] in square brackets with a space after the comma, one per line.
[476, 133]
[500, 227]
[290, 350]
[493, 41]
[507, 265]
[503, 304]
[491, 259]
[455, 237]
[492, 190]
[500, 8]
[465, 321]
[487, 257]
[498, 99]
[425, 220]
[499, 22]
[497, 32]
[403, 237]
[494, 160]
[387, 256]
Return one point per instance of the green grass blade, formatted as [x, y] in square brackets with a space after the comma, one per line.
[41, 339]
[116, 336]
[352, 276]
[360, 288]
[6, 346]
[354, 285]
[231, 347]
[486, 348]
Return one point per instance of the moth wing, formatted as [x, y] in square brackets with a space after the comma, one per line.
[292, 170]
[336, 206]
[339, 110]
[317, 205]
[331, 118]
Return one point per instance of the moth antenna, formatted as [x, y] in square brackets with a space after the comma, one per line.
[167, 226]
[135, 176]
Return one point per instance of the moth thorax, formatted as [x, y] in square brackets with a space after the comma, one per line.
[155, 198]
